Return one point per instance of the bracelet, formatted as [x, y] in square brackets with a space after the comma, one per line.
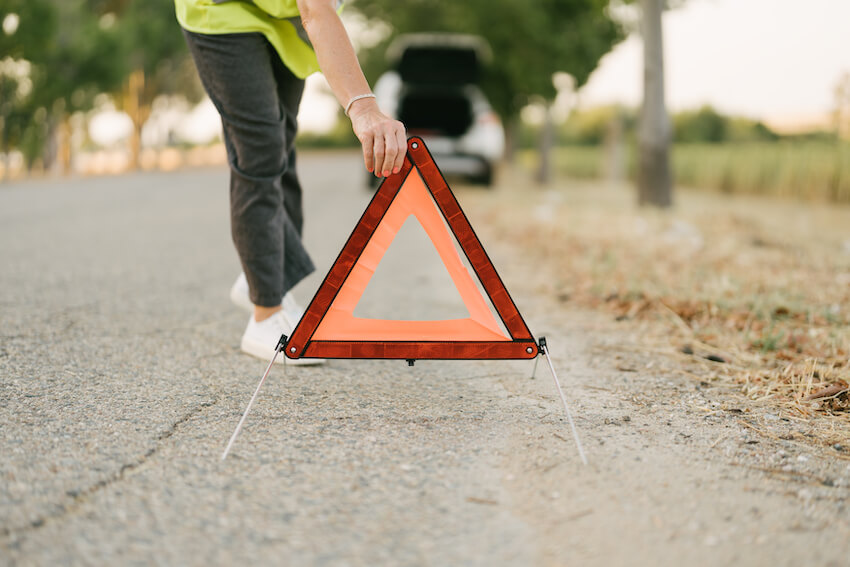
[355, 99]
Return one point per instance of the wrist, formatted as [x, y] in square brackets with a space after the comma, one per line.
[360, 104]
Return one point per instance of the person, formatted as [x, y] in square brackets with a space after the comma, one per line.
[252, 57]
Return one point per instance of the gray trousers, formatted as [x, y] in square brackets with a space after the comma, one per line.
[258, 97]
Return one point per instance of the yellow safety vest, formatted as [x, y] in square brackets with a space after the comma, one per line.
[278, 20]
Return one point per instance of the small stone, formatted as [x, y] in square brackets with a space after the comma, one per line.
[802, 458]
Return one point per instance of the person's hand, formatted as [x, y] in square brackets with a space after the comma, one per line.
[383, 139]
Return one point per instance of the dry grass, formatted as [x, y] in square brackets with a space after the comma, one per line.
[755, 291]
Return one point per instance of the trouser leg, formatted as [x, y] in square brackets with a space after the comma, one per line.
[258, 98]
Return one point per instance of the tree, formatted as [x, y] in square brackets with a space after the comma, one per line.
[74, 50]
[654, 180]
[157, 60]
[23, 27]
[70, 57]
[530, 40]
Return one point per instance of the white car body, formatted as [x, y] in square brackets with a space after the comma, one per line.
[475, 146]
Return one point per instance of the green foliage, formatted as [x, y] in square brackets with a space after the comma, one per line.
[531, 40]
[593, 126]
[77, 49]
[80, 60]
[575, 162]
[152, 42]
[746, 130]
[708, 125]
[69, 57]
[36, 20]
[703, 125]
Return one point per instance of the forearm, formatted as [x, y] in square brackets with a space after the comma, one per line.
[333, 49]
[382, 138]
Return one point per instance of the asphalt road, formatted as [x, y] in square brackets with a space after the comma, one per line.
[121, 380]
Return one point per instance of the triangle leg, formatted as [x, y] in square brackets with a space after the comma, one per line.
[233, 437]
[563, 400]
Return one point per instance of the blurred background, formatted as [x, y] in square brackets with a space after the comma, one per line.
[757, 93]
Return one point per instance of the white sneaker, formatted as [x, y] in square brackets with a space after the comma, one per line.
[239, 293]
[260, 339]
[240, 296]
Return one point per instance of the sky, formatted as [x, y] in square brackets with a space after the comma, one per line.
[767, 59]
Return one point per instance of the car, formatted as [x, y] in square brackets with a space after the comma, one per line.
[433, 88]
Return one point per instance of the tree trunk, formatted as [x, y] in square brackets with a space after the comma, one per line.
[138, 110]
[654, 183]
[4, 147]
[50, 153]
[65, 150]
[615, 151]
[512, 129]
[547, 138]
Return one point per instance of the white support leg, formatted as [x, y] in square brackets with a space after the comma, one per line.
[564, 401]
[254, 397]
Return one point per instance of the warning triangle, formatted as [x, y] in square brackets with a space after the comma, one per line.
[329, 328]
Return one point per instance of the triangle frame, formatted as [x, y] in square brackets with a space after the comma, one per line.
[518, 344]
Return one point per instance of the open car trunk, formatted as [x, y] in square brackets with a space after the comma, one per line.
[439, 65]
[435, 112]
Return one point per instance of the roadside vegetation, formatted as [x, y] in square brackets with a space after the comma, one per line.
[743, 284]
[711, 152]
[750, 292]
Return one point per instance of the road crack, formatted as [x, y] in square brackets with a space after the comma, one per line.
[79, 497]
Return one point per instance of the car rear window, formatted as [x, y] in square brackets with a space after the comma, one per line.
[436, 112]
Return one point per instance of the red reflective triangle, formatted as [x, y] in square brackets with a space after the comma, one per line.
[329, 328]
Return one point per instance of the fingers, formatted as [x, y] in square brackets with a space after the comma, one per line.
[379, 156]
[390, 157]
[401, 139]
[392, 151]
[369, 153]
